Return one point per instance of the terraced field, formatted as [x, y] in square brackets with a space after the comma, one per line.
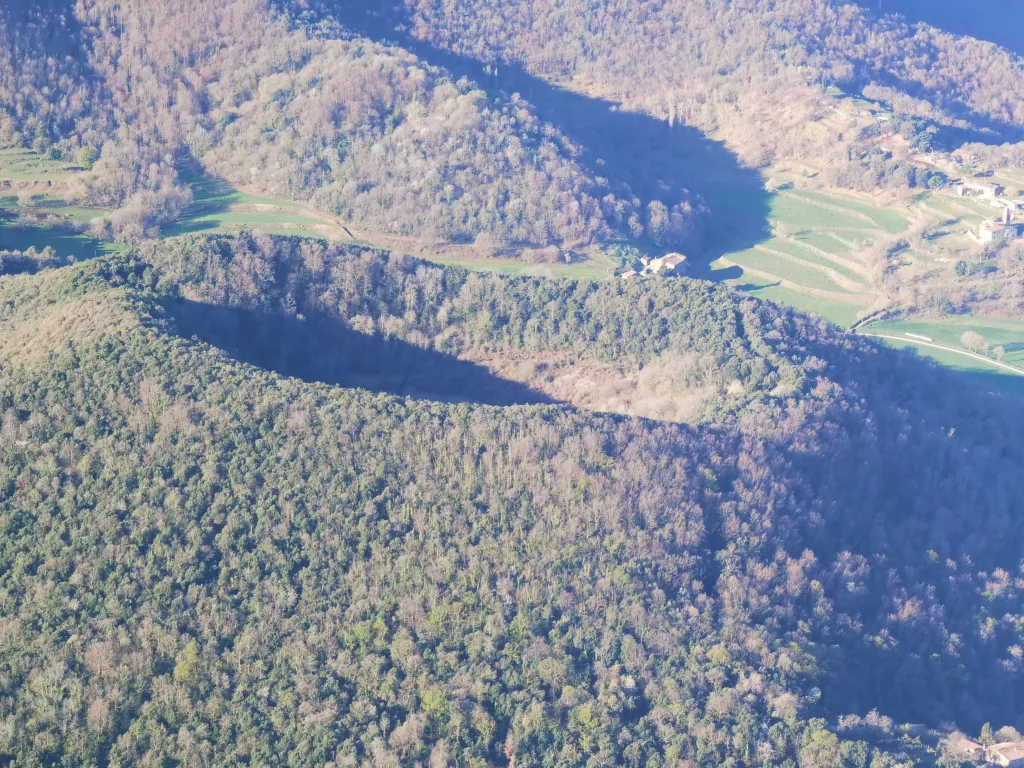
[814, 260]
[33, 213]
[843, 315]
[887, 220]
[17, 164]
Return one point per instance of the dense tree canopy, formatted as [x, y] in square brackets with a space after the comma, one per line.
[207, 561]
[736, 54]
[301, 112]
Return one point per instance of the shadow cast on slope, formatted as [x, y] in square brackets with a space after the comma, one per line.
[996, 21]
[928, 477]
[641, 156]
[328, 351]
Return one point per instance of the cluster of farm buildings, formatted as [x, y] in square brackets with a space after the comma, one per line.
[1008, 754]
[999, 228]
[669, 264]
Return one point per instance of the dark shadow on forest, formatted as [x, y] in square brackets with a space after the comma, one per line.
[328, 351]
[996, 21]
[910, 525]
[640, 155]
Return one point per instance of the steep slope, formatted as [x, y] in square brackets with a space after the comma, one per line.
[362, 130]
[208, 562]
[722, 66]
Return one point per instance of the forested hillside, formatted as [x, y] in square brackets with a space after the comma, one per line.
[364, 131]
[208, 562]
[313, 101]
[754, 72]
[271, 500]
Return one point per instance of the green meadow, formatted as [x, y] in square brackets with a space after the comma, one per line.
[812, 260]
[1007, 333]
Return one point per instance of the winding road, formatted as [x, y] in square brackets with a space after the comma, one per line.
[918, 342]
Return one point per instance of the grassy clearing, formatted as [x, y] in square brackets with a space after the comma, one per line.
[843, 315]
[209, 193]
[17, 164]
[812, 262]
[65, 243]
[965, 211]
[797, 250]
[1011, 178]
[1005, 332]
[219, 208]
[790, 209]
[233, 221]
[988, 377]
[62, 231]
[884, 219]
[761, 260]
[824, 241]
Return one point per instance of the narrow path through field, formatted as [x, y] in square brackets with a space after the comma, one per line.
[907, 340]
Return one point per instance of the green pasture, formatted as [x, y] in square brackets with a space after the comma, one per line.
[796, 249]
[65, 242]
[65, 237]
[795, 211]
[843, 315]
[990, 378]
[1005, 332]
[884, 219]
[823, 241]
[786, 269]
[18, 164]
[215, 206]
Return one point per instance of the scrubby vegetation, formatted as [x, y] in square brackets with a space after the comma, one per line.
[207, 562]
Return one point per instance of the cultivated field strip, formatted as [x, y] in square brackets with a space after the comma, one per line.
[885, 220]
[819, 254]
[782, 250]
[850, 268]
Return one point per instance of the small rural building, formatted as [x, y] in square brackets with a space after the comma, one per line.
[1008, 755]
[628, 274]
[672, 262]
[963, 157]
[1001, 228]
[979, 187]
[969, 749]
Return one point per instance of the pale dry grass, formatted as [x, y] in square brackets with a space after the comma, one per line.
[668, 388]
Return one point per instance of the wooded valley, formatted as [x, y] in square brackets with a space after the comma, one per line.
[270, 499]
